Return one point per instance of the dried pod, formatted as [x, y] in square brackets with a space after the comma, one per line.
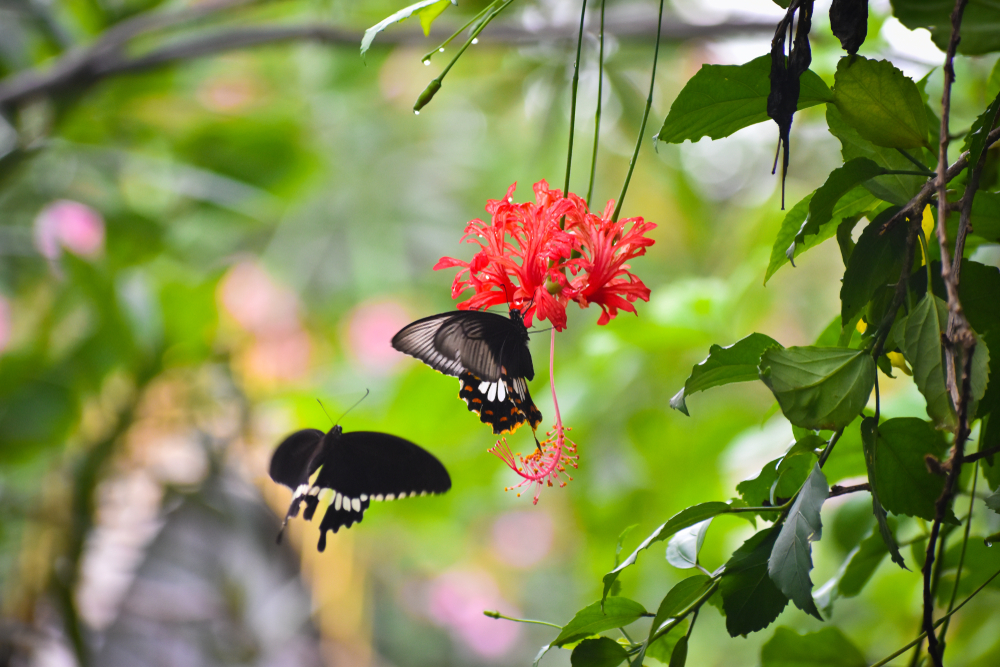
[849, 21]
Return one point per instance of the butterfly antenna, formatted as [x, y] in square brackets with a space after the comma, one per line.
[534, 331]
[327, 416]
[367, 391]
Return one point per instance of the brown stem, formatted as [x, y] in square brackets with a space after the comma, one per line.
[838, 490]
[982, 454]
[958, 327]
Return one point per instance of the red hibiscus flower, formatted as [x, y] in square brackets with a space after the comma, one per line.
[526, 258]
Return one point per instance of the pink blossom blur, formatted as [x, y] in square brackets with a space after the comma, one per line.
[522, 539]
[256, 302]
[70, 225]
[458, 599]
[370, 328]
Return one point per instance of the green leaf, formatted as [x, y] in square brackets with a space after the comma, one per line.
[598, 652]
[875, 261]
[985, 220]
[750, 599]
[975, 141]
[880, 102]
[793, 470]
[993, 502]
[679, 521]
[617, 612]
[841, 181]
[724, 365]
[757, 491]
[980, 27]
[679, 656]
[433, 9]
[980, 375]
[868, 440]
[922, 349]
[826, 648]
[861, 564]
[678, 598]
[819, 387]
[791, 558]
[721, 99]
[662, 648]
[855, 202]
[901, 477]
[683, 548]
[428, 14]
[894, 188]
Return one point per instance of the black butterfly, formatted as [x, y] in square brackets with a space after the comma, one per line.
[351, 470]
[489, 355]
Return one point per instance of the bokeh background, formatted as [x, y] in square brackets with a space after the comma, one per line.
[193, 253]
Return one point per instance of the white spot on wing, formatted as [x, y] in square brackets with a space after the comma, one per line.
[484, 387]
[379, 497]
[390, 496]
[501, 390]
[355, 504]
[337, 501]
[492, 396]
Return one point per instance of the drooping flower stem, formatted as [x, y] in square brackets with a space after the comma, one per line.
[572, 102]
[597, 114]
[645, 117]
[552, 382]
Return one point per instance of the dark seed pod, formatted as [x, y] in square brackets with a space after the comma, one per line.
[849, 21]
[783, 98]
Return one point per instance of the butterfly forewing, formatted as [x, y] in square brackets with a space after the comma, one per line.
[488, 353]
[353, 470]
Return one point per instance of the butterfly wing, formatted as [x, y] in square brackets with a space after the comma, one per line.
[363, 466]
[294, 462]
[468, 340]
[504, 404]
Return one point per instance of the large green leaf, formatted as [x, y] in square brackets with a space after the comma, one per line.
[985, 218]
[592, 619]
[975, 141]
[841, 181]
[876, 260]
[598, 652]
[869, 437]
[819, 387]
[880, 102]
[749, 597]
[721, 99]
[678, 598]
[427, 10]
[861, 564]
[855, 202]
[679, 521]
[826, 648]
[791, 558]
[901, 477]
[980, 27]
[724, 365]
[894, 188]
[921, 344]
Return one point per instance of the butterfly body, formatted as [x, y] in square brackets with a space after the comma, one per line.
[489, 355]
[350, 470]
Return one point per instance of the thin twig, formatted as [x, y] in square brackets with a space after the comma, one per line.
[80, 69]
[837, 490]
[982, 454]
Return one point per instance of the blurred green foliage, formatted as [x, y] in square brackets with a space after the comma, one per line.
[270, 214]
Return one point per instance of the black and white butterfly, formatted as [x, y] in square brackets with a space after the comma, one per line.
[347, 471]
[489, 355]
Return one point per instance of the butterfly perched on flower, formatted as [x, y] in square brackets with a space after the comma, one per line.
[348, 471]
[489, 355]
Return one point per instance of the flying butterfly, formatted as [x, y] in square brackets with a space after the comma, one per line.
[489, 355]
[348, 471]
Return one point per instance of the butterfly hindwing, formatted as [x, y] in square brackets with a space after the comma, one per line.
[353, 470]
[504, 404]
[488, 353]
